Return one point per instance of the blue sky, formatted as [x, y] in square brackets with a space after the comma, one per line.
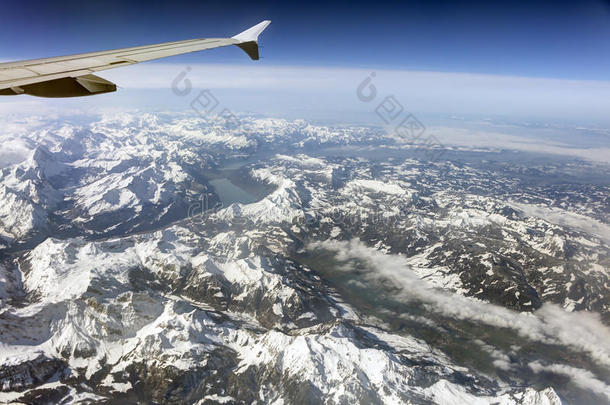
[526, 38]
[522, 60]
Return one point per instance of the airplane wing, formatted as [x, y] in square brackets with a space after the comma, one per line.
[72, 76]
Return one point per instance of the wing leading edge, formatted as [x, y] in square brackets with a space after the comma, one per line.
[72, 76]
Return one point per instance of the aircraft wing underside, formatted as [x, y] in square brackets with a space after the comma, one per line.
[72, 76]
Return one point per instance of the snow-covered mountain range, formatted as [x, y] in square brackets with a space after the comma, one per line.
[359, 269]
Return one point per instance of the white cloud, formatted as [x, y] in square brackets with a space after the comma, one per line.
[582, 378]
[581, 331]
[495, 139]
[562, 217]
[436, 92]
[334, 88]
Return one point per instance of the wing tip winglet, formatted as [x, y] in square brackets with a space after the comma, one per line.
[252, 33]
[248, 39]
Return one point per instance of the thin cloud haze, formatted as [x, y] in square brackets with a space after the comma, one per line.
[421, 91]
